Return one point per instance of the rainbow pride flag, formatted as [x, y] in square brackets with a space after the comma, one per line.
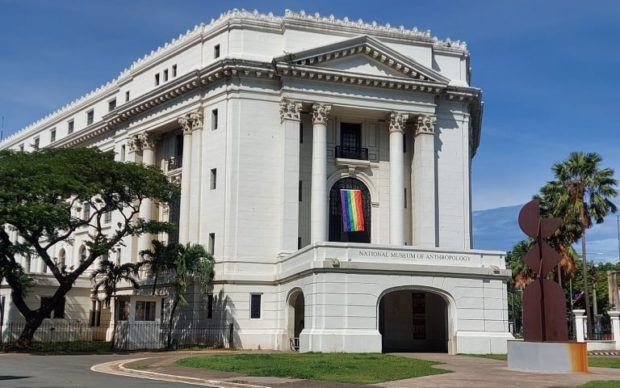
[352, 210]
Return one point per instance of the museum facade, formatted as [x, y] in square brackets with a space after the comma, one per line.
[325, 163]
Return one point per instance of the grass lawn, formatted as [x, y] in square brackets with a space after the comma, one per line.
[602, 384]
[336, 367]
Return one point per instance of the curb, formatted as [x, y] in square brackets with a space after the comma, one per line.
[108, 367]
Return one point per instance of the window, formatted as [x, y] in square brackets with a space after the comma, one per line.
[118, 256]
[90, 117]
[213, 178]
[86, 211]
[405, 197]
[127, 96]
[123, 309]
[107, 218]
[300, 195]
[301, 133]
[209, 306]
[211, 243]
[298, 242]
[216, 51]
[214, 118]
[70, 125]
[165, 75]
[123, 153]
[21, 148]
[145, 311]
[111, 105]
[36, 143]
[157, 79]
[52, 135]
[174, 70]
[255, 306]
[59, 310]
[404, 143]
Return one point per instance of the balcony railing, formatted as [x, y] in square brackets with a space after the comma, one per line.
[352, 152]
[175, 162]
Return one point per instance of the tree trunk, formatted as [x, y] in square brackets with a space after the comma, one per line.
[172, 312]
[585, 283]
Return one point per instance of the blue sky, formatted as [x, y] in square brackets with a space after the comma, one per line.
[549, 70]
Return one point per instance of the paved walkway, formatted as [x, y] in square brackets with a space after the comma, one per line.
[468, 372]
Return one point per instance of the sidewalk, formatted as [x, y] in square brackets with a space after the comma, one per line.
[468, 372]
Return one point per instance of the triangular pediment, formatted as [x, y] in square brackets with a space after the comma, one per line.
[364, 56]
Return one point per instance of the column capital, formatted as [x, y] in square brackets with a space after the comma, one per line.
[191, 121]
[320, 113]
[425, 124]
[134, 143]
[186, 124]
[290, 110]
[147, 140]
[398, 121]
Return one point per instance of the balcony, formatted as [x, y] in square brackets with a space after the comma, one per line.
[358, 153]
[175, 162]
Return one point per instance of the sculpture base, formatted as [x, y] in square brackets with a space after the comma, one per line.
[548, 357]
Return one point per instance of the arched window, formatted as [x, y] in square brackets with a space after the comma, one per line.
[61, 259]
[336, 231]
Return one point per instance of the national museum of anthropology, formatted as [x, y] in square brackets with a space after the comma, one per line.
[326, 165]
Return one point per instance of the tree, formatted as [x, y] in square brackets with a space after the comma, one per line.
[522, 275]
[108, 276]
[41, 196]
[582, 192]
[187, 266]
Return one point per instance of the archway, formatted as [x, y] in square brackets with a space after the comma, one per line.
[336, 231]
[296, 311]
[413, 321]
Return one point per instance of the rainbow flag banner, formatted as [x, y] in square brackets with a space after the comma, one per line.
[352, 210]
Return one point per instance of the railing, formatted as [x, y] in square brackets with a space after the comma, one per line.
[79, 337]
[175, 162]
[346, 152]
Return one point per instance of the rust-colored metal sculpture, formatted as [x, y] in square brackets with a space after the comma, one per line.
[544, 314]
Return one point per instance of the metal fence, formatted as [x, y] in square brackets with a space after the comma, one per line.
[73, 336]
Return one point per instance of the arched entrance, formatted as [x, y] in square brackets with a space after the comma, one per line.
[336, 231]
[296, 311]
[413, 321]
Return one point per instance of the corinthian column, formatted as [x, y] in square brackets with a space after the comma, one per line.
[195, 176]
[290, 116]
[186, 124]
[423, 183]
[318, 200]
[147, 142]
[397, 178]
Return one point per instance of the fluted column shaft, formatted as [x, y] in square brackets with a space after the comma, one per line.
[397, 178]
[423, 183]
[318, 200]
[290, 115]
[147, 142]
[185, 182]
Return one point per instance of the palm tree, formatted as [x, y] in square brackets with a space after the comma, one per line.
[522, 275]
[107, 277]
[161, 259]
[187, 265]
[582, 192]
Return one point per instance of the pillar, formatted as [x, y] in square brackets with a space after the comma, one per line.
[423, 188]
[580, 322]
[318, 200]
[147, 142]
[186, 124]
[195, 177]
[290, 116]
[397, 178]
[615, 327]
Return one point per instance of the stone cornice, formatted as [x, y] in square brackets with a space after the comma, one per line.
[233, 68]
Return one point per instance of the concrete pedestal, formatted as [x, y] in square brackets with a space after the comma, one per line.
[548, 357]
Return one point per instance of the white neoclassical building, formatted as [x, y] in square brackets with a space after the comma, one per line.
[265, 120]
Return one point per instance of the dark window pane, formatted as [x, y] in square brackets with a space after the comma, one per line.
[255, 306]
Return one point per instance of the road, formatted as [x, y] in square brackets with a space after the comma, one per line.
[25, 370]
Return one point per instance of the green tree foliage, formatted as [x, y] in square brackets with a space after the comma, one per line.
[182, 267]
[41, 196]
